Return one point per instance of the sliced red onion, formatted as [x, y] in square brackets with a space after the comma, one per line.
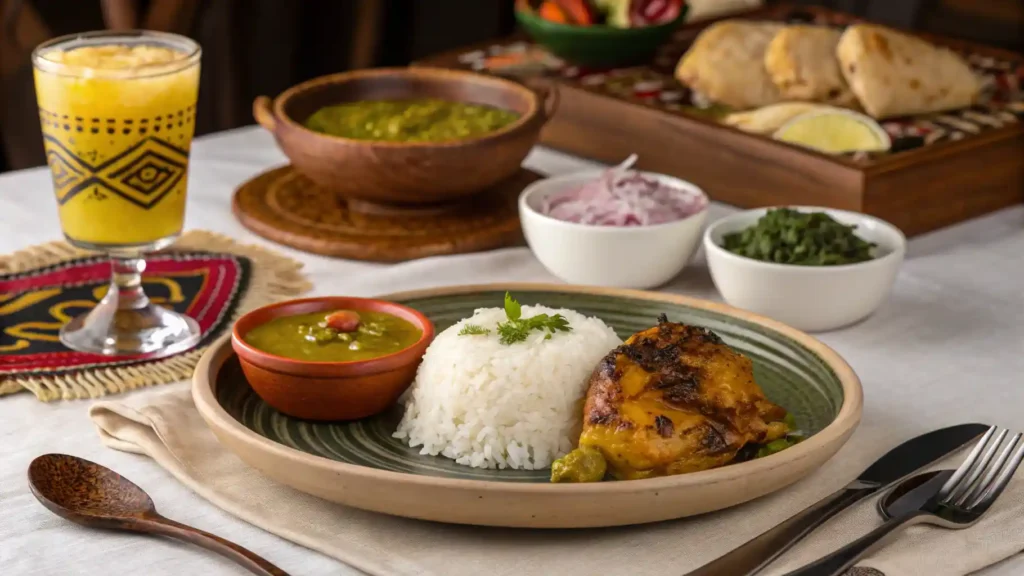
[651, 12]
[621, 197]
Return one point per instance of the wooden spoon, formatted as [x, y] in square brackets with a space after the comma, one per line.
[92, 495]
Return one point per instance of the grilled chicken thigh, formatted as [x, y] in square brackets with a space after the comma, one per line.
[672, 399]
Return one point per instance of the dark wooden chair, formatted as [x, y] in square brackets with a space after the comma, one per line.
[24, 28]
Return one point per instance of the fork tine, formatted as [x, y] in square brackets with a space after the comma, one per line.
[989, 496]
[990, 473]
[972, 478]
[946, 492]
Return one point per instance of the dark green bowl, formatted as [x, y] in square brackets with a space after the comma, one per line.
[599, 46]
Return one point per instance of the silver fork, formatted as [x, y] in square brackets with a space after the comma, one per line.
[954, 500]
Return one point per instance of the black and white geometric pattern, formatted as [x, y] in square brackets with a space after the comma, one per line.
[143, 174]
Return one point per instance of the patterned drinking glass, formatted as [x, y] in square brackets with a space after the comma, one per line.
[118, 113]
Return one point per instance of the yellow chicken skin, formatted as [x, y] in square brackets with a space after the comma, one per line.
[673, 399]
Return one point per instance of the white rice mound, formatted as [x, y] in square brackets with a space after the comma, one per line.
[488, 405]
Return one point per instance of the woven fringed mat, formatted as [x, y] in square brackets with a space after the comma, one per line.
[214, 278]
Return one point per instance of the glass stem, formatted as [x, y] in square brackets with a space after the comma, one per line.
[127, 282]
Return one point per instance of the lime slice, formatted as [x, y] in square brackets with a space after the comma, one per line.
[835, 132]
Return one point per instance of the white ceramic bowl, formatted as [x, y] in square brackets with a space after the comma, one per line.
[809, 298]
[612, 256]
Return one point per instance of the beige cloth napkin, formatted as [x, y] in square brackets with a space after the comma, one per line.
[168, 429]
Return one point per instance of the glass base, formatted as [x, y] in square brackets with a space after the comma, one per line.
[125, 322]
[150, 330]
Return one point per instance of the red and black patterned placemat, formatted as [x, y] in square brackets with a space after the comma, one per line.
[44, 287]
[37, 303]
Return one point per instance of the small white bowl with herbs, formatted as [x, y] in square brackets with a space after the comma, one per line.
[816, 269]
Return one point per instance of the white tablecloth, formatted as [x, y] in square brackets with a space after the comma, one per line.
[948, 347]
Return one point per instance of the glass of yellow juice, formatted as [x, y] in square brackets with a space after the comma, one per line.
[118, 112]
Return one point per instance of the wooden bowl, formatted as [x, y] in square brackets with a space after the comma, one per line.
[400, 173]
[329, 390]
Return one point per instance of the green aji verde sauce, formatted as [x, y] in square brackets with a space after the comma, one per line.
[307, 337]
[426, 120]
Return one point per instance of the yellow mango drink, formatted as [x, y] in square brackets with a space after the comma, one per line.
[118, 114]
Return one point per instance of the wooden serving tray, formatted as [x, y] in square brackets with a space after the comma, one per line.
[944, 168]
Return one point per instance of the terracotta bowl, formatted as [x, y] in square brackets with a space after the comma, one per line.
[399, 173]
[329, 390]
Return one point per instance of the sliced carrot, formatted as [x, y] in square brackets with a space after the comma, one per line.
[504, 60]
[578, 12]
[552, 12]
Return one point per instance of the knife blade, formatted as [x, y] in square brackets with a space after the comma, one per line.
[895, 465]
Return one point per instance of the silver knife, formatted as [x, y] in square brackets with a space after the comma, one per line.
[896, 465]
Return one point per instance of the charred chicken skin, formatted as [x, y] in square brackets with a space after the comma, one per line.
[670, 400]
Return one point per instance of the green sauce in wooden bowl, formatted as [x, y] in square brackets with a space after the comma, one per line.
[421, 120]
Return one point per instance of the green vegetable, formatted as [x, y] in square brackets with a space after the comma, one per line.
[512, 308]
[792, 438]
[786, 236]
[774, 446]
[790, 421]
[616, 11]
[473, 330]
[325, 335]
[584, 464]
[517, 329]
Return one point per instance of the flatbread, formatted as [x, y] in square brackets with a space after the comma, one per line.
[801, 61]
[769, 119]
[894, 74]
[726, 64]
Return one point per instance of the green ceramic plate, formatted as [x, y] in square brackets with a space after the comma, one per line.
[794, 370]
